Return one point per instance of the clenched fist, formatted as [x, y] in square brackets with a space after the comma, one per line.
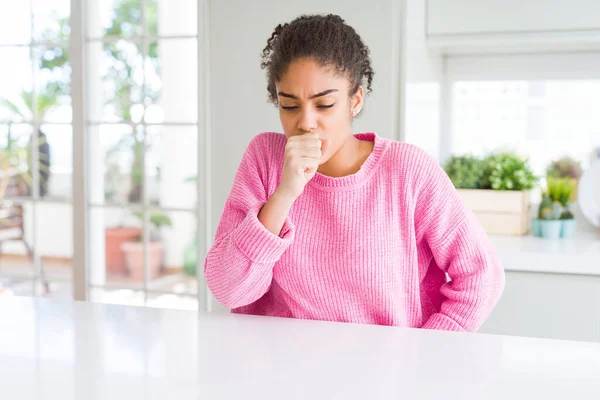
[302, 159]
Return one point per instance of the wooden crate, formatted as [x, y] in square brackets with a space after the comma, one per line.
[500, 212]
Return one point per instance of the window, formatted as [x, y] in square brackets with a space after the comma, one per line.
[143, 157]
[35, 147]
[143, 164]
[543, 106]
[542, 119]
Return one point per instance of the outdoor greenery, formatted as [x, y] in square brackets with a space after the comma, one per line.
[30, 105]
[125, 87]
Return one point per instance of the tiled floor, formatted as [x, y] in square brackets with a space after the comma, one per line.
[175, 290]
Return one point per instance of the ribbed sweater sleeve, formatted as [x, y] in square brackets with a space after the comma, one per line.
[239, 266]
[450, 232]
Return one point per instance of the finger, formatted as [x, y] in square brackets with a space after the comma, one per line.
[303, 163]
[310, 152]
[296, 155]
[304, 145]
[307, 164]
[301, 141]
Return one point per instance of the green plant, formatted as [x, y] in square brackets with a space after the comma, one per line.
[560, 191]
[15, 165]
[507, 171]
[565, 167]
[546, 209]
[126, 89]
[132, 143]
[31, 105]
[157, 220]
[21, 109]
[6, 170]
[567, 214]
[464, 171]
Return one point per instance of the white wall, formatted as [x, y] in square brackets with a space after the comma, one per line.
[511, 16]
[239, 108]
[238, 102]
[424, 72]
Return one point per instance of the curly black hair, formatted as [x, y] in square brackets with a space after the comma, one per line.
[328, 40]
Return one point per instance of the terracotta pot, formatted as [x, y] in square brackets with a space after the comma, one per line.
[113, 239]
[134, 257]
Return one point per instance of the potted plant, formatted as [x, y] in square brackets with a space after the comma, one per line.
[554, 217]
[496, 189]
[549, 222]
[507, 171]
[133, 250]
[568, 168]
[122, 77]
[464, 171]
[116, 236]
[561, 192]
[536, 229]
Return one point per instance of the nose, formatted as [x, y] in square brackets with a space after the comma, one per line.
[308, 121]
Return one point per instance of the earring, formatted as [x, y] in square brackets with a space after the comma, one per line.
[355, 112]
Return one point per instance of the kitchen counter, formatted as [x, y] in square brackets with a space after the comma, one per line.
[579, 255]
[59, 350]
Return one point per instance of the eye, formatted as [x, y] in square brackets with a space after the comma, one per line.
[289, 108]
[325, 106]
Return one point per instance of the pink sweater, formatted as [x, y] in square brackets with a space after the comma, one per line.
[375, 247]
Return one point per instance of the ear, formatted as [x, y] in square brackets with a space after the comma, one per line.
[356, 101]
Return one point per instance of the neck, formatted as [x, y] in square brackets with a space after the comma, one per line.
[347, 160]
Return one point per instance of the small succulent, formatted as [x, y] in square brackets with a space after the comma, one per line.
[547, 213]
[559, 193]
[560, 190]
[546, 209]
[567, 214]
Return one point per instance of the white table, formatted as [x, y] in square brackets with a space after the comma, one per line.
[58, 350]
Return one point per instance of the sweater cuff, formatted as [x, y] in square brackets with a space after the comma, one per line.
[441, 322]
[260, 245]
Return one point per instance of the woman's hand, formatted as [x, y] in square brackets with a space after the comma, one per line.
[302, 159]
[303, 155]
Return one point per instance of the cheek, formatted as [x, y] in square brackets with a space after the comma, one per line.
[287, 123]
[337, 125]
[336, 130]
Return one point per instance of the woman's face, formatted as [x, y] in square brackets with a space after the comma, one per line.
[315, 99]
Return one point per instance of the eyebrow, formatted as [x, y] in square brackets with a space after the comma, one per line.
[291, 96]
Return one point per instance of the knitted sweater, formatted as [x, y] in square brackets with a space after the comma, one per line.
[392, 244]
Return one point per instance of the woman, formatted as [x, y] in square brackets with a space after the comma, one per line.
[323, 224]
